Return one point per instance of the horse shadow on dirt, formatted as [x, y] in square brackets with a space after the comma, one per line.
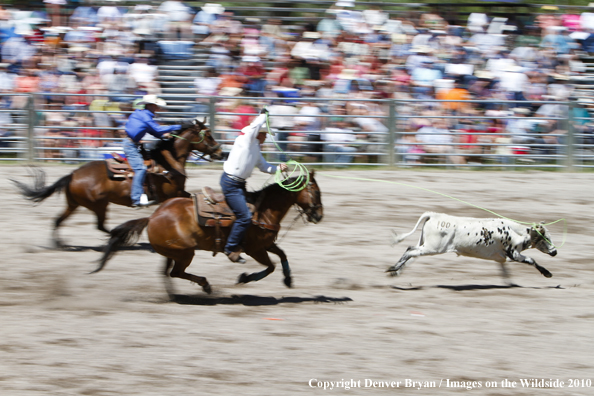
[253, 301]
[80, 248]
[474, 287]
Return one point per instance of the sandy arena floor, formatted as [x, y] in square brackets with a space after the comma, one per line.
[449, 322]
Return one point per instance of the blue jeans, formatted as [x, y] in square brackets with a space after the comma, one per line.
[137, 163]
[235, 195]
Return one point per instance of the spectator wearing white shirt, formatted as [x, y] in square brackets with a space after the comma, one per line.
[437, 139]
[16, 51]
[519, 128]
[205, 17]
[514, 81]
[108, 14]
[206, 86]
[141, 72]
[178, 15]
[309, 49]
[282, 121]
[339, 140]
[6, 79]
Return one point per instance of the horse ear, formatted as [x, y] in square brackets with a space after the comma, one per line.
[312, 173]
[204, 121]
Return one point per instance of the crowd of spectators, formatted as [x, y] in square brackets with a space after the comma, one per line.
[304, 72]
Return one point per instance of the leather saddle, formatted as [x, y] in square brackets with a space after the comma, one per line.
[118, 167]
[213, 211]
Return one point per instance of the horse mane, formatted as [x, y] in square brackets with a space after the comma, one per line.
[273, 188]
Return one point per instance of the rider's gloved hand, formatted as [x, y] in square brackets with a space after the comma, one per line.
[264, 111]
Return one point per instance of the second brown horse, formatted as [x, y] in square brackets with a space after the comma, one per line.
[174, 232]
[90, 185]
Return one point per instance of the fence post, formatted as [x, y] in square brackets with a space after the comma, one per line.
[31, 116]
[570, 143]
[211, 113]
[392, 133]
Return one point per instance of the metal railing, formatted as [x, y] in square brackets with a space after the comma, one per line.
[385, 138]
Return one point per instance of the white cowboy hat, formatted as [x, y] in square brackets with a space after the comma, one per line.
[348, 74]
[311, 35]
[421, 48]
[230, 91]
[345, 3]
[250, 58]
[485, 74]
[213, 8]
[513, 69]
[152, 99]
[521, 110]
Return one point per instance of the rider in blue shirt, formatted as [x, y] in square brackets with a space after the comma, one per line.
[139, 124]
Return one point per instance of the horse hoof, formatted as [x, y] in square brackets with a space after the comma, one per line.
[548, 274]
[207, 289]
[288, 281]
[243, 278]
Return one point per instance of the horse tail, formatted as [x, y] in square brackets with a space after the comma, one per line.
[400, 237]
[39, 191]
[123, 235]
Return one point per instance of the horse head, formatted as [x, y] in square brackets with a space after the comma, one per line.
[201, 139]
[309, 200]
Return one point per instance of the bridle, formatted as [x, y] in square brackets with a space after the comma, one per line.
[202, 136]
[311, 208]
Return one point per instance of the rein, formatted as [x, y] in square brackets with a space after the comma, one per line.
[304, 213]
[202, 135]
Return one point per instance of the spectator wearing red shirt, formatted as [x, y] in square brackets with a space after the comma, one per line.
[252, 74]
[245, 119]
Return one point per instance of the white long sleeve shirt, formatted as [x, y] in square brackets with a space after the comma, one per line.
[245, 154]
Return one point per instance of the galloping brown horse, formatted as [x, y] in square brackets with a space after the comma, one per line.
[174, 232]
[90, 185]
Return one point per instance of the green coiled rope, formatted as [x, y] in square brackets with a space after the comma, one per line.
[299, 174]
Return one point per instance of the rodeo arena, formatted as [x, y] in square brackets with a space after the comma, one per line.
[329, 132]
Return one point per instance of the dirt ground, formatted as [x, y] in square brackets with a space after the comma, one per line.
[448, 322]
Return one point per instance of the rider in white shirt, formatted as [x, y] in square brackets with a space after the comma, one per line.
[245, 155]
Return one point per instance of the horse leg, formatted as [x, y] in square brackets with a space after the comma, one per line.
[69, 209]
[100, 211]
[182, 261]
[284, 261]
[168, 284]
[262, 257]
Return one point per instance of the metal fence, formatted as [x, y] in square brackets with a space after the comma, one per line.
[325, 132]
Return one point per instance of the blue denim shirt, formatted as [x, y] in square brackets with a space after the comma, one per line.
[141, 122]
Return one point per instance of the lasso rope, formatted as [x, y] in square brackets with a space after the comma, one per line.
[298, 185]
[466, 203]
[299, 171]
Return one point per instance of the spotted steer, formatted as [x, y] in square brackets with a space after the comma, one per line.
[489, 239]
